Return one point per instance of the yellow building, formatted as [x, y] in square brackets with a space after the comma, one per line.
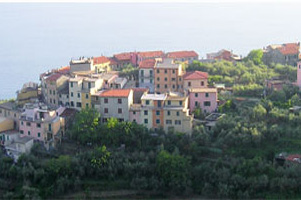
[101, 64]
[6, 124]
[28, 92]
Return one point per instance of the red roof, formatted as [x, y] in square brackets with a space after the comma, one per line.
[151, 54]
[149, 63]
[182, 54]
[100, 60]
[195, 75]
[64, 70]
[116, 93]
[123, 56]
[289, 48]
[294, 158]
[54, 77]
[112, 61]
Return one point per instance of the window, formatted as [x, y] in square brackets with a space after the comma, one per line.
[178, 122]
[168, 113]
[158, 85]
[142, 72]
[87, 96]
[49, 127]
[89, 85]
[106, 100]
[173, 71]
[119, 110]
[180, 103]
[151, 80]
[165, 86]
[173, 79]
[168, 102]
[151, 73]
[39, 134]
[202, 83]
[78, 95]
[158, 78]
[145, 112]
[142, 80]
[38, 125]
[53, 92]
[180, 79]
[165, 79]
[87, 105]
[71, 94]
[28, 124]
[28, 132]
[50, 91]
[206, 94]
[157, 121]
[134, 112]
[165, 71]
[21, 122]
[189, 84]
[173, 86]
[196, 94]
[21, 131]
[158, 71]
[71, 84]
[195, 103]
[106, 110]
[168, 121]
[178, 113]
[53, 101]
[147, 102]
[60, 95]
[78, 104]
[157, 112]
[145, 121]
[159, 104]
[207, 103]
[72, 104]
[50, 100]
[120, 101]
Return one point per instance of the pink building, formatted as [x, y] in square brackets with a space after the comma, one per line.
[195, 79]
[40, 123]
[205, 98]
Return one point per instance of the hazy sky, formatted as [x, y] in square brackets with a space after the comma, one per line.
[37, 37]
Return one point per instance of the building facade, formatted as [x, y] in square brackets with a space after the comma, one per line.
[204, 98]
[146, 74]
[183, 56]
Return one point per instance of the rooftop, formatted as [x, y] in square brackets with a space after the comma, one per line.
[182, 54]
[151, 54]
[123, 56]
[54, 77]
[8, 105]
[289, 48]
[146, 64]
[203, 90]
[153, 97]
[167, 63]
[195, 75]
[68, 112]
[100, 60]
[116, 93]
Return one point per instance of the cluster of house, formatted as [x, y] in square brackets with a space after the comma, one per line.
[164, 96]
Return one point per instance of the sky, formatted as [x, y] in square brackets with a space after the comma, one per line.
[36, 37]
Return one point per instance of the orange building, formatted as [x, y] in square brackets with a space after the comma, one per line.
[168, 76]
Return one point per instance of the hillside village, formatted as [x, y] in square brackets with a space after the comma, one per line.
[149, 88]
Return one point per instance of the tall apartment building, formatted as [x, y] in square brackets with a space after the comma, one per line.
[168, 76]
[146, 74]
[113, 103]
[51, 87]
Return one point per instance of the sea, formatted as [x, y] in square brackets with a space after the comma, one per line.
[36, 37]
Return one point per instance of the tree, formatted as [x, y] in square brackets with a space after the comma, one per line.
[84, 128]
[255, 56]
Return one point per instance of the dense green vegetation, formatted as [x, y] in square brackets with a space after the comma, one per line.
[235, 159]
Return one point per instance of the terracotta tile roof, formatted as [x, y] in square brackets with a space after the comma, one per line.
[123, 56]
[64, 70]
[182, 54]
[149, 63]
[195, 75]
[68, 112]
[100, 60]
[54, 77]
[151, 54]
[116, 93]
[289, 48]
[294, 158]
[112, 61]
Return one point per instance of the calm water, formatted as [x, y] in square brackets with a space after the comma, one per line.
[37, 37]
